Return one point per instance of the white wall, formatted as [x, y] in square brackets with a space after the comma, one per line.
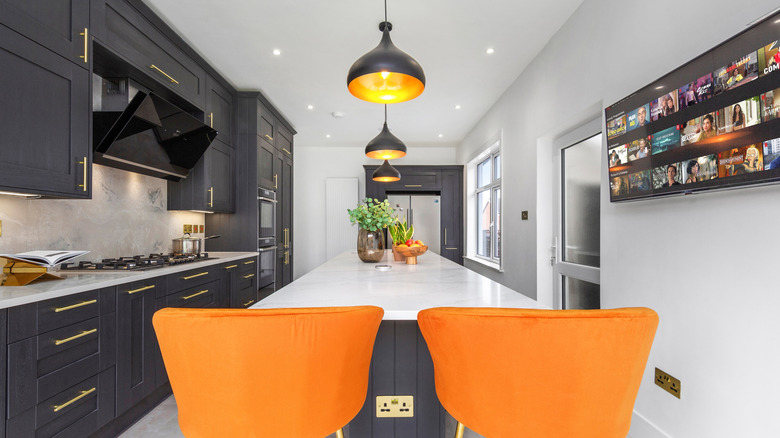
[704, 262]
[312, 166]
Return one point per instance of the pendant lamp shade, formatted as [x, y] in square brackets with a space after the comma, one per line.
[386, 173]
[386, 74]
[385, 146]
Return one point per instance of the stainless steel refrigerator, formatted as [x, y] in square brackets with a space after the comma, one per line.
[422, 211]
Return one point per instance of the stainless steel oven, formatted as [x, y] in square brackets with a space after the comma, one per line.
[266, 238]
[266, 218]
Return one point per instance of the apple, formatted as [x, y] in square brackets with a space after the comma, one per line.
[403, 245]
[409, 242]
[416, 245]
[419, 242]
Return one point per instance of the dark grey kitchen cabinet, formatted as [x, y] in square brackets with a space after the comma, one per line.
[59, 26]
[210, 185]
[136, 343]
[219, 110]
[283, 164]
[267, 173]
[452, 215]
[240, 279]
[446, 181]
[45, 119]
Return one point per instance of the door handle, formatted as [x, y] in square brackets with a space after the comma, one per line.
[85, 56]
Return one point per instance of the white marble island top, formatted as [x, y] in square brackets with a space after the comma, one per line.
[82, 281]
[401, 291]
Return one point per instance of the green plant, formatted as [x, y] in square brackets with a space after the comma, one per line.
[400, 232]
[372, 215]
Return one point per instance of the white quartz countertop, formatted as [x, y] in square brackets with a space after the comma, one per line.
[75, 281]
[401, 291]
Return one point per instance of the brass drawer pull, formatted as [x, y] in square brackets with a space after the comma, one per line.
[211, 197]
[249, 276]
[164, 74]
[62, 309]
[413, 185]
[83, 394]
[445, 236]
[450, 248]
[84, 185]
[196, 275]
[288, 152]
[248, 303]
[141, 289]
[276, 185]
[230, 267]
[80, 335]
[86, 46]
[269, 137]
[211, 120]
[286, 257]
[194, 295]
[249, 262]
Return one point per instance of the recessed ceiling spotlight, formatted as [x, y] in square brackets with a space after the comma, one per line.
[659, 87]
[490, 50]
[311, 107]
[277, 52]
[441, 135]
[337, 115]
[327, 135]
[457, 106]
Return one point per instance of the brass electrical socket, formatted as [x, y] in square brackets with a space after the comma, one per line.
[188, 228]
[667, 382]
[395, 406]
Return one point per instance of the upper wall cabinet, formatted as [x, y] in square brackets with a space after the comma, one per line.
[219, 110]
[119, 25]
[57, 25]
[45, 117]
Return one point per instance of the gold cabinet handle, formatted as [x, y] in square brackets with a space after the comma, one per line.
[449, 248]
[286, 257]
[211, 197]
[445, 236]
[130, 292]
[211, 120]
[248, 303]
[194, 295]
[80, 335]
[276, 184]
[249, 276]
[85, 303]
[249, 262]
[268, 137]
[84, 184]
[413, 185]
[83, 394]
[288, 152]
[85, 34]
[164, 74]
[196, 275]
[230, 267]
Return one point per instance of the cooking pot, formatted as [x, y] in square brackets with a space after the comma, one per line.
[189, 245]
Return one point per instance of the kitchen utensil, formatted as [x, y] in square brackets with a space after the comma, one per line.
[189, 245]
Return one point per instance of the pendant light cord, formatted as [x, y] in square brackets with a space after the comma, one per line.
[385, 12]
[385, 114]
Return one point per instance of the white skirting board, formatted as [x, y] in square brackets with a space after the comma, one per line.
[340, 194]
[641, 428]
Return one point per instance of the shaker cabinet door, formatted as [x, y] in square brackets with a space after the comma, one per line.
[45, 120]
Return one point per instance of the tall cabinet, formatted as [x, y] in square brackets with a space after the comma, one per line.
[265, 159]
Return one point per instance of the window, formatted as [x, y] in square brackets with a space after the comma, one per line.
[485, 205]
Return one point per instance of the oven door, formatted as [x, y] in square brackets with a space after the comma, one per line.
[266, 222]
[265, 276]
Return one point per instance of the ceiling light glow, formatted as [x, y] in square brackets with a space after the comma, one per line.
[457, 106]
[311, 107]
[490, 51]
[277, 52]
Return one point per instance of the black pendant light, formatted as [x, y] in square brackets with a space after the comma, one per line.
[385, 146]
[386, 74]
[386, 173]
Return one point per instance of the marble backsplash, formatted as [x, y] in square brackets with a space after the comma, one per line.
[126, 216]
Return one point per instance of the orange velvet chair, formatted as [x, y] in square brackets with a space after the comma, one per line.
[508, 373]
[280, 373]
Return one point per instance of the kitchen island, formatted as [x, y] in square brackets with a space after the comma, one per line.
[401, 363]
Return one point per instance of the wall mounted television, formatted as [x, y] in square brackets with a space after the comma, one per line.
[713, 123]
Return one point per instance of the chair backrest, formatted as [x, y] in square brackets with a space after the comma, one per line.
[281, 373]
[539, 373]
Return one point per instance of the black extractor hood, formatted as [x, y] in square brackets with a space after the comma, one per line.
[149, 136]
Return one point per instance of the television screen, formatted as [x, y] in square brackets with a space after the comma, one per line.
[713, 123]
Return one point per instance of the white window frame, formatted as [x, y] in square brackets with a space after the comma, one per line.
[489, 151]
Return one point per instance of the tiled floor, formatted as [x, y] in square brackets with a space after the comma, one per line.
[163, 422]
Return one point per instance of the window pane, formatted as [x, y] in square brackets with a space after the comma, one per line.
[497, 167]
[581, 294]
[581, 222]
[497, 215]
[483, 173]
[483, 223]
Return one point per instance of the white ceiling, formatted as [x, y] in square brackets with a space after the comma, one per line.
[320, 40]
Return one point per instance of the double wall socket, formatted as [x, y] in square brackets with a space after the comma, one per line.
[667, 382]
[395, 406]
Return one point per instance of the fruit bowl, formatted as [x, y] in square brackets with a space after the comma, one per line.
[411, 252]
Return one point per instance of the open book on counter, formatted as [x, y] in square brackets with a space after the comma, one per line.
[48, 259]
